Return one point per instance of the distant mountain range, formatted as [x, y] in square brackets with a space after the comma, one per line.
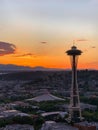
[11, 67]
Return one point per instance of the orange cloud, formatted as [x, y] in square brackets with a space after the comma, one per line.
[24, 55]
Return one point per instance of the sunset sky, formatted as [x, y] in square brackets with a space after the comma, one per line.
[38, 32]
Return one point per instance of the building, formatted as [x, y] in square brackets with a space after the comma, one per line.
[45, 97]
[74, 108]
[12, 113]
[86, 126]
[17, 127]
[54, 115]
[51, 125]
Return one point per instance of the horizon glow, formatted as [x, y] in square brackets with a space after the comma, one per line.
[43, 30]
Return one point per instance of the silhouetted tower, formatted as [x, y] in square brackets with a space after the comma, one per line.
[74, 107]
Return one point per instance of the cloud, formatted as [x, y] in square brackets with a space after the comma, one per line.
[24, 55]
[44, 42]
[93, 63]
[82, 40]
[93, 47]
[7, 48]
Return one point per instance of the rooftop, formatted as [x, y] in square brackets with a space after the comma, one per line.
[45, 97]
[50, 125]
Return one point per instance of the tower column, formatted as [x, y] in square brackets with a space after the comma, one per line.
[74, 107]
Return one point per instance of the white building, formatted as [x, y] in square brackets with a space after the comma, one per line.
[51, 125]
[46, 97]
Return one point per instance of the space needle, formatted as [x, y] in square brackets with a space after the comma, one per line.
[74, 107]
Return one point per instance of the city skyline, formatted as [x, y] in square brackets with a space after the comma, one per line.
[38, 32]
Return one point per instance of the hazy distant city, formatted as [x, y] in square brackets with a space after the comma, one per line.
[30, 95]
